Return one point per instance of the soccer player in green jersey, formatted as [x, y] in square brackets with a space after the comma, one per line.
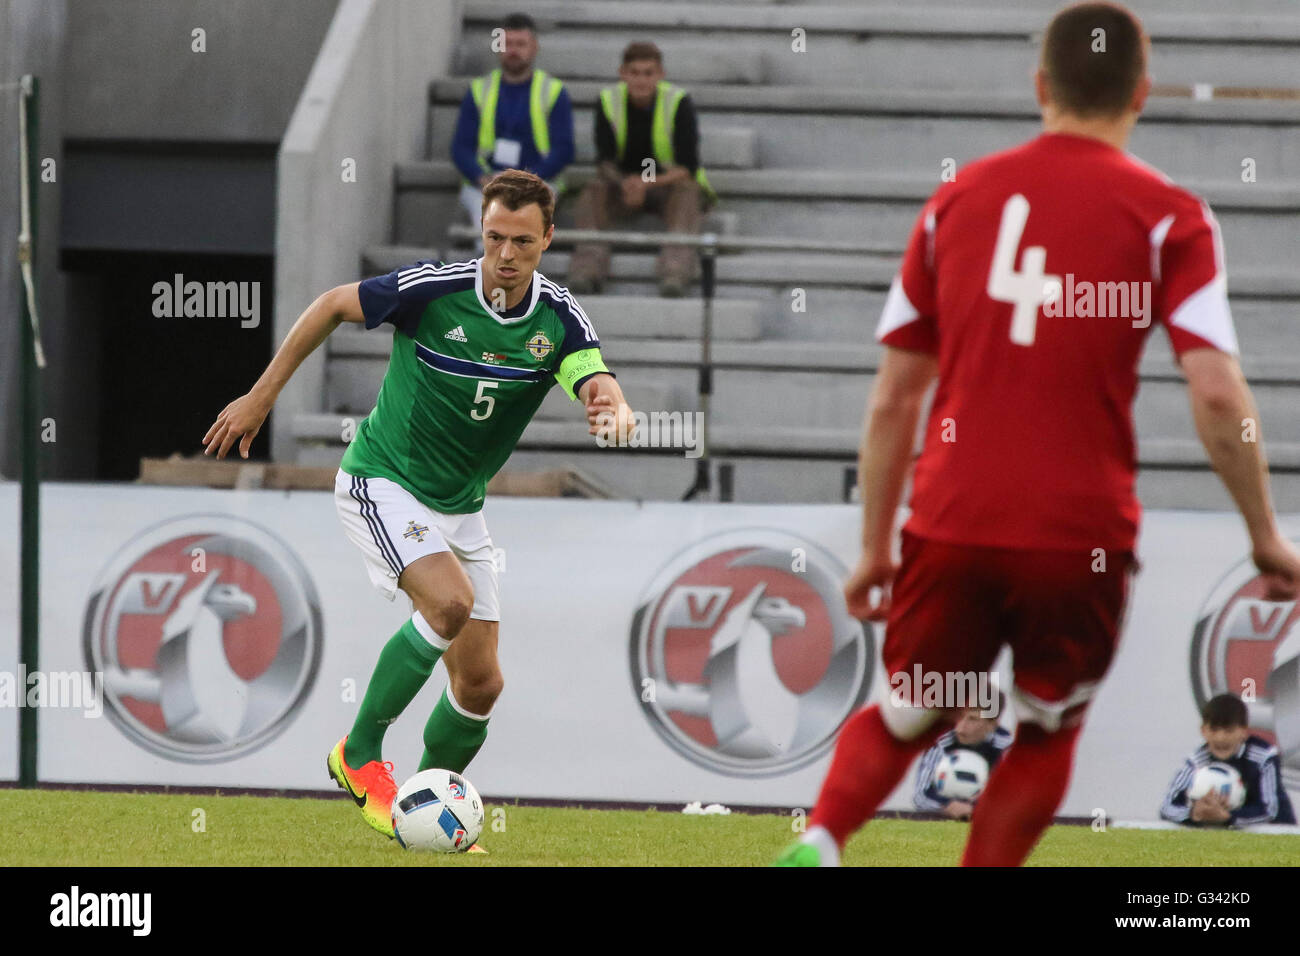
[476, 347]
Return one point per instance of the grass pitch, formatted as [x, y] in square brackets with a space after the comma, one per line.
[84, 828]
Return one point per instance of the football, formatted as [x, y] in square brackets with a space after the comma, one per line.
[1221, 777]
[961, 775]
[437, 811]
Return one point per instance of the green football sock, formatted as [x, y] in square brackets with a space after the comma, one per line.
[450, 738]
[404, 665]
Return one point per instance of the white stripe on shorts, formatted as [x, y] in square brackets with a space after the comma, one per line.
[377, 530]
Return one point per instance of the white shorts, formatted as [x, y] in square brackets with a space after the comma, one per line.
[393, 528]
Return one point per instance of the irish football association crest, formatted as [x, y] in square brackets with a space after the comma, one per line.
[539, 346]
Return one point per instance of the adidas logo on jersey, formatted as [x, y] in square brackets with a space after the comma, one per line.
[457, 334]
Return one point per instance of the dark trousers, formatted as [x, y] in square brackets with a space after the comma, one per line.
[601, 204]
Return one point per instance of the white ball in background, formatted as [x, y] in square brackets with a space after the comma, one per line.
[1221, 777]
[961, 775]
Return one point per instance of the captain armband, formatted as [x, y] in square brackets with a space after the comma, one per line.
[578, 366]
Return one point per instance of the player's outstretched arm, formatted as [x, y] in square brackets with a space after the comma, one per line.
[888, 433]
[608, 412]
[1227, 422]
[242, 419]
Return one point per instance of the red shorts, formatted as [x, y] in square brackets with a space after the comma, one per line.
[954, 606]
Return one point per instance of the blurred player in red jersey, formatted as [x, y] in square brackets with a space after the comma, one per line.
[1028, 287]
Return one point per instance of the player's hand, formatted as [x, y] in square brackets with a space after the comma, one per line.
[871, 572]
[615, 425]
[240, 421]
[1279, 565]
[1211, 808]
[958, 810]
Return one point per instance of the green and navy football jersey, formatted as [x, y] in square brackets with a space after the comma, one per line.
[463, 380]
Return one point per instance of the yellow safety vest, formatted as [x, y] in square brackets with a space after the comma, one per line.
[613, 101]
[542, 94]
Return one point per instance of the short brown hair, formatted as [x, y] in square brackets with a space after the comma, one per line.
[519, 21]
[1094, 55]
[642, 50]
[517, 189]
[1225, 710]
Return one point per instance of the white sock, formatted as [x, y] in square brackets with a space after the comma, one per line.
[455, 705]
[429, 634]
[821, 838]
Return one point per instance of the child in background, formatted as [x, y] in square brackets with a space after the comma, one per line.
[1228, 740]
[972, 732]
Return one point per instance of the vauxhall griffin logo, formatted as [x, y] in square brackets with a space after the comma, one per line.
[744, 656]
[1246, 645]
[207, 630]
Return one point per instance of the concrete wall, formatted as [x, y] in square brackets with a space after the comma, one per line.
[365, 101]
[124, 70]
[136, 75]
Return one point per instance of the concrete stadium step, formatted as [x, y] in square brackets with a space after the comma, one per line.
[841, 444]
[427, 202]
[638, 317]
[796, 396]
[860, 357]
[1181, 144]
[1265, 326]
[1046, 8]
[756, 270]
[813, 466]
[781, 481]
[1162, 410]
[850, 100]
[796, 385]
[1283, 456]
[912, 61]
[560, 17]
[791, 442]
[598, 59]
[1258, 221]
[919, 47]
[864, 186]
[1201, 489]
[1264, 237]
[733, 146]
[888, 130]
[625, 318]
[751, 268]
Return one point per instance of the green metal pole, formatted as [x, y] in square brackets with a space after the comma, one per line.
[31, 503]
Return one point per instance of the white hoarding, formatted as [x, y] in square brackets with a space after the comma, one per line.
[653, 652]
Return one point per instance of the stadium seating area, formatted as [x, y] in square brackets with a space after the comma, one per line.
[843, 142]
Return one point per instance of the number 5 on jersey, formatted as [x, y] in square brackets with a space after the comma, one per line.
[1030, 287]
[487, 401]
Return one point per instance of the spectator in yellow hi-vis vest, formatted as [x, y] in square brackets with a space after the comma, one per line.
[516, 117]
[648, 158]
